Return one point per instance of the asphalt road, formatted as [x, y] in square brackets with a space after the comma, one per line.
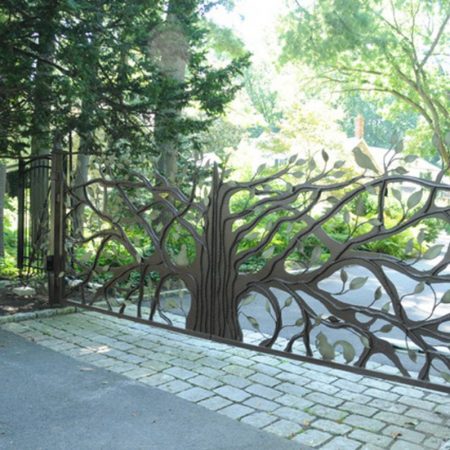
[49, 401]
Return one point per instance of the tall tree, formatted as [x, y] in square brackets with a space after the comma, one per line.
[90, 68]
[386, 47]
[378, 130]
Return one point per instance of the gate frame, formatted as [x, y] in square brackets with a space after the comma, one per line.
[56, 250]
[56, 280]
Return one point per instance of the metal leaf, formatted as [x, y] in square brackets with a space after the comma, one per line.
[401, 170]
[248, 300]
[347, 217]
[446, 297]
[397, 194]
[315, 256]
[358, 282]
[410, 158]
[409, 247]
[421, 236]
[253, 322]
[260, 168]
[433, 252]
[414, 199]
[360, 209]
[420, 287]
[267, 254]
[412, 355]
[386, 328]
[365, 342]
[378, 293]
[446, 376]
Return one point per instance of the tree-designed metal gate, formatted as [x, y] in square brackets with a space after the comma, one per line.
[307, 260]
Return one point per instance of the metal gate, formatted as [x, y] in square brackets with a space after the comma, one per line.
[295, 268]
[32, 212]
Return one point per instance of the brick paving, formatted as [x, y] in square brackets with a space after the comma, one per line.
[314, 405]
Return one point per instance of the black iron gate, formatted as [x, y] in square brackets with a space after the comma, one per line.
[32, 212]
[303, 269]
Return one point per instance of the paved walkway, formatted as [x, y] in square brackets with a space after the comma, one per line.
[308, 404]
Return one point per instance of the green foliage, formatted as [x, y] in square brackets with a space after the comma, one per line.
[389, 49]
[8, 266]
[378, 131]
[97, 73]
[225, 42]
[263, 97]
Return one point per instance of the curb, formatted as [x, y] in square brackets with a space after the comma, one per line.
[20, 317]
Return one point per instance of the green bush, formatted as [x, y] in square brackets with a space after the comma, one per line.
[8, 264]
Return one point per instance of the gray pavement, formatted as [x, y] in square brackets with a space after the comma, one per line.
[51, 401]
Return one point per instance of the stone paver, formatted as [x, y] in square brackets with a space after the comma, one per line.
[341, 443]
[314, 405]
[284, 428]
[405, 433]
[232, 393]
[236, 411]
[214, 403]
[331, 427]
[364, 423]
[313, 438]
[294, 415]
[259, 419]
[374, 439]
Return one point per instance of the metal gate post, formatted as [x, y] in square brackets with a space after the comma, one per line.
[55, 258]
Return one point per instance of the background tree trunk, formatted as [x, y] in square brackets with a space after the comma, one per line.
[40, 124]
[170, 45]
[2, 209]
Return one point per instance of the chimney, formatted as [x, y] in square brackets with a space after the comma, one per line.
[359, 127]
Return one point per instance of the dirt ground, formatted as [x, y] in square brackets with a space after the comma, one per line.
[11, 303]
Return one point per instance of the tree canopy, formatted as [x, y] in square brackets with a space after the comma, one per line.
[95, 68]
[393, 48]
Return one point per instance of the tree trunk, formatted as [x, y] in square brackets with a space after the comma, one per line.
[216, 297]
[79, 179]
[170, 46]
[40, 125]
[81, 170]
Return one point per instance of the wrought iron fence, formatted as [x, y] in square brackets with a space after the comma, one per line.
[32, 212]
[310, 260]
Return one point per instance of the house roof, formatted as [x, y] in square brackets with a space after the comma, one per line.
[379, 155]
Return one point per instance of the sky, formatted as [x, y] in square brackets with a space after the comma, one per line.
[254, 21]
